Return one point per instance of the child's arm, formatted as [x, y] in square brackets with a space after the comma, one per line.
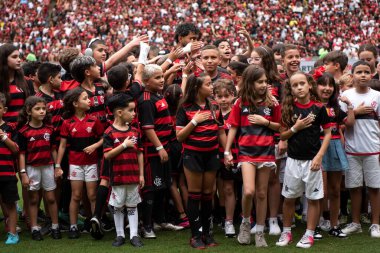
[8, 142]
[127, 143]
[298, 126]
[230, 139]
[140, 160]
[317, 161]
[260, 120]
[199, 117]
[139, 71]
[152, 137]
[58, 172]
[61, 151]
[90, 149]
[350, 119]
[22, 171]
[222, 138]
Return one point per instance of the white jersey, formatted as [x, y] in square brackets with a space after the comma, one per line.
[364, 137]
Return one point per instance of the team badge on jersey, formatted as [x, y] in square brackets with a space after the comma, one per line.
[47, 136]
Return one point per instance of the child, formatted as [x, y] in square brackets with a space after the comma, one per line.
[255, 116]
[36, 161]
[224, 92]
[236, 70]
[345, 82]
[8, 179]
[301, 120]
[200, 129]
[335, 62]
[210, 58]
[66, 57]
[225, 52]
[335, 160]
[123, 148]
[291, 60]
[82, 133]
[368, 53]
[362, 148]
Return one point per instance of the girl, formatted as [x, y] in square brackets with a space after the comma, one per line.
[200, 128]
[224, 91]
[368, 53]
[335, 159]
[255, 116]
[36, 161]
[82, 134]
[301, 121]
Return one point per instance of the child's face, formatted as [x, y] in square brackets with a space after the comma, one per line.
[93, 72]
[83, 102]
[210, 59]
[232, 73]
[224, 99]
[225, 50]
[128, 113]
[156, 82]
[277, 56]
[368, 57]
[56, 81]
[331, 67]
[292, 60]
[362, 75]
[325, 91]
[100, 53]
[14, 61]
[261, 86]
[255, 58]
[300, 87]
[346, 86]
[38, 111]
[206, 89]
[3, 109]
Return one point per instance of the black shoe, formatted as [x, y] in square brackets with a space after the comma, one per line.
[36, 235]
[317, 234]
[209, 240]
[337, 232]
[197, 243]
[118, 241]
[86, 226]
[46, 228]
[56, 233]
[74, 233]
[136, 242]
[107, 224]
[96, 229]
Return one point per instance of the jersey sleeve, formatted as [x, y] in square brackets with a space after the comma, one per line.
[325, 121]
[21, 142]
[181, 120]
[135, 90]
[146, 114]
[107, 142]
[65, 129]
[277, 114]
[234, 118]
[98, 128]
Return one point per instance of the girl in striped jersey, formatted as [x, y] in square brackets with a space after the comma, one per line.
[200, 128]
[256, 117]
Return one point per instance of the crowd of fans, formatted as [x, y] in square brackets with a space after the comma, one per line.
[43, 27]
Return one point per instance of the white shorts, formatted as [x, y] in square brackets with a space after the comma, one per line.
[281, 170]
[363, 167]
[125, 195]
[41, 175]
[87, 173]
[260, 165]
[299, 178]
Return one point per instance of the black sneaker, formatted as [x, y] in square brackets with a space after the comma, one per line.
[118, 241]
[56, 233]
[197, 243]
[74, 233]
[317, 234]
[209, 240]
[136, 242]
[96, 229]
[86, 226]
[36, 235]
[107, 224]
[337, 232]
[46, 227]
[64, 227]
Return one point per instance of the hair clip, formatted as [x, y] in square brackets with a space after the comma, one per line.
[318, 72]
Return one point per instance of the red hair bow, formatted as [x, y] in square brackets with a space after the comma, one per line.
[318, 72]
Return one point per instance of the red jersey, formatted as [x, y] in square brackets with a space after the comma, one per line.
[124, 167]
[7, 161]
[81, 134]
[97, 103]
[15, 104]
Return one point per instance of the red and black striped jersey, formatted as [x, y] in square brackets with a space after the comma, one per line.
[256, 142]
[97, 103]
[81, 134]
[7, 159]
[153, 114]
[205, 136]
[36, 144]
[67, 85]
[135, 89]
[234, 146]
[336, 119]
[124, 167]
[17, 100]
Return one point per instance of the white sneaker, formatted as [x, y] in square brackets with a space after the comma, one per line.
[325, 225]
[375, 230]
[352, 228]
[305, 242]
[170, 227]
[229, 229]
[253, 230]
[274, 228]
[285, 239]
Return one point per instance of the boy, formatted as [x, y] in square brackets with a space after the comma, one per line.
[362, 148]
[225, 52]
[335, 62]
[65, 58]
[123, 148]
[8, 179]
[291, 60]
[210, 58]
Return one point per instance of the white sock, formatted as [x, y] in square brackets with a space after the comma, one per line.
[259, 228]
[133, 218]
[273, 220]
[248, 219]
[287, 229]
[309, 232]
[118, 217]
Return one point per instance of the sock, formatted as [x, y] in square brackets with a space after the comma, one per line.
[193, 212]
[35, 228]
[101, 199]
[54, 226]
[147, 209]
[73, 226]
[133, 219]
[206, 212]
[259, 228]
[287, 229]
[118, 217]
[246, 219]
[273, 220]
[309, 232]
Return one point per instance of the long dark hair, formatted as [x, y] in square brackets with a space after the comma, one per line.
[30, 102]
[328, 79]
[71, 97]
[5, 51]
[173, 94]
[268, 63]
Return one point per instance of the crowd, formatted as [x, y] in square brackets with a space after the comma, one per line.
[45, 27]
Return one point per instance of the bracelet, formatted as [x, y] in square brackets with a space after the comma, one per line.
[57, 165]
[4, 138]
[350, 107]
[124, 145]
[226, 153]
[159, 148]
[22, 171]
[194, 122]
[293, 130]
[184, 76]
[268, 123]
[169, 61]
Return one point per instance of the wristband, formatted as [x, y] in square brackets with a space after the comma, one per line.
[184, 76]
[57, 165]
[268, 123]
[194, 122]
[124, 145]
[293, 130]
[226, 153]
[159, 148]
[4, 138]
[169, 61]
[350, 107]
[22, 171]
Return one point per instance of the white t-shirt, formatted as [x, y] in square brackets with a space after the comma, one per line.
[364, 137]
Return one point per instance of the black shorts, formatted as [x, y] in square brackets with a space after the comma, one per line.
[156, 174]
[175, 155]
[8, 190]
[233, 173]
[201, 161]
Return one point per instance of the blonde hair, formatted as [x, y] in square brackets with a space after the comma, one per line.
[345, 79]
